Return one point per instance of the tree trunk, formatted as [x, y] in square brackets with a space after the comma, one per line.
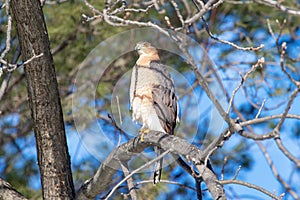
[44, 101]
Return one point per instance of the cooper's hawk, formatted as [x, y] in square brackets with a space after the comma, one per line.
[152, 96]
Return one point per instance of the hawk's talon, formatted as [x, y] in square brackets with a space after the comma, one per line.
[143, 131]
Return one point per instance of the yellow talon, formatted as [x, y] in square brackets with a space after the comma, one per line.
[143, 131]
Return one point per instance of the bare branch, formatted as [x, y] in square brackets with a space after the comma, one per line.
[270, 29]
[260, 109]
[11, 67]
[7, 192]
[4, 86]
[278, 5]
[168, 182]
[130, 183]
[208, 6]
[8, 30]
[102, 179]
[223, 167]
[283, 49]
[92, 8]
[210, 179]
[268, 118]
[286, 152]
[174, 4]
[230, 43]
[225, 41]
[259, 63]
[139, 10]
[136, 171]
[275, 172]
[237, 172]
[276, 130]
[249, 185]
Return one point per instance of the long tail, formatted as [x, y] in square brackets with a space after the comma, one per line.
[158, 166]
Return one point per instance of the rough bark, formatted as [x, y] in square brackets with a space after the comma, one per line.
[44, 101]
[7, 192]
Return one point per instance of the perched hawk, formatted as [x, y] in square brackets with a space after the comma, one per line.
[152, 96]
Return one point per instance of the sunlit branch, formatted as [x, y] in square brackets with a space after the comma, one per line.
[282, 55]
[276, 130]
[205, 8]
[283, 117]
[170, 143]
[275, 172]
[278, 5]
[5, 83]
[11, 67]
[168, 22]
[249, 185]
[237, 172]
[166, 181]
[286, 152]
[260, 109]
[8, 31]
[268, 118]
[270, 29]
[223, 167]
[136, 171]
[130, 182]
[92, 8]
[259, 63]
[225, 41]
[141, 10]
[179, 15]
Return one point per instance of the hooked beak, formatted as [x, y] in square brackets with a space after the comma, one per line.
[137, 47]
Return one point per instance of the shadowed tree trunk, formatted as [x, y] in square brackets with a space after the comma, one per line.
[44, 101]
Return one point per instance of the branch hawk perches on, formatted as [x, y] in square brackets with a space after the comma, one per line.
[152, 96]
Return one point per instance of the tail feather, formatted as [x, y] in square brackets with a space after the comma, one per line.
[158, 166]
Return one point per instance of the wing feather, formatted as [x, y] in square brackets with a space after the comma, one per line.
[164, 98]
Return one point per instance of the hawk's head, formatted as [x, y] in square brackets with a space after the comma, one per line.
[145, 48]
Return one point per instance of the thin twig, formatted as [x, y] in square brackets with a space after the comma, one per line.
[141, 10]
[8, 30]
[130, 183]
[135, 171]
[11, 67]
[224, 41]
[276, 130]
[259, 63]
[270, 29]
[5, 83]
[278, 5]
[275, 172]
[268, 118]
[223, 167]
[179, 15]
[237, 172]
[92, 8]
[286, 110]
[168, 182]
[230, 43]
[260, 109]
[249, 185]
[211, 4]
[282, 55]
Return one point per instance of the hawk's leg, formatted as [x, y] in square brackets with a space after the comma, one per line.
[143, 131]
